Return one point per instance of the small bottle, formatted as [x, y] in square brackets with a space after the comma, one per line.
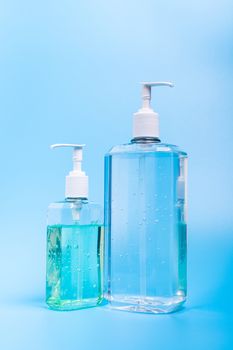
[74, 277]
[145, 218]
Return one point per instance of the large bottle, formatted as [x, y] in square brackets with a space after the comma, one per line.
[74, 276]
[145, 218]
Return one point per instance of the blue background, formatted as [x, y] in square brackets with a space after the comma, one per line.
[70, 72]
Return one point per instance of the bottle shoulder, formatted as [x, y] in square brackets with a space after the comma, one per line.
[75, 203]
[149, 147]
[78, 212]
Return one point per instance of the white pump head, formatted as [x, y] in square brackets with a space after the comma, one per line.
[76, 181]
[146, 120]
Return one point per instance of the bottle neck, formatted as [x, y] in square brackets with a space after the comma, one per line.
[145, 140]
[78, 199]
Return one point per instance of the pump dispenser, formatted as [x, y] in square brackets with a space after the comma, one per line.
[145, 218]
[74, 277]
[146, 120]
[76, 181]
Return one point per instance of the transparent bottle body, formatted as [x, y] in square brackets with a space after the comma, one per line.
[74, 266]
[145, 227]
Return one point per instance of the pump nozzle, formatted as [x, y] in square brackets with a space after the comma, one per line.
[146, 122]
[146, 91]
[76, 181]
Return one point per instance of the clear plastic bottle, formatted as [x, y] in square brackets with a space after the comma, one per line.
[74, 277]
[74, 255]
[145, 223]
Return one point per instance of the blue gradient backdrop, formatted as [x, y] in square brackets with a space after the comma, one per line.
[70, 72]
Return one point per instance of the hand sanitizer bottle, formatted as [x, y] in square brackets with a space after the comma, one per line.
[74, 244]
[145, 218]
